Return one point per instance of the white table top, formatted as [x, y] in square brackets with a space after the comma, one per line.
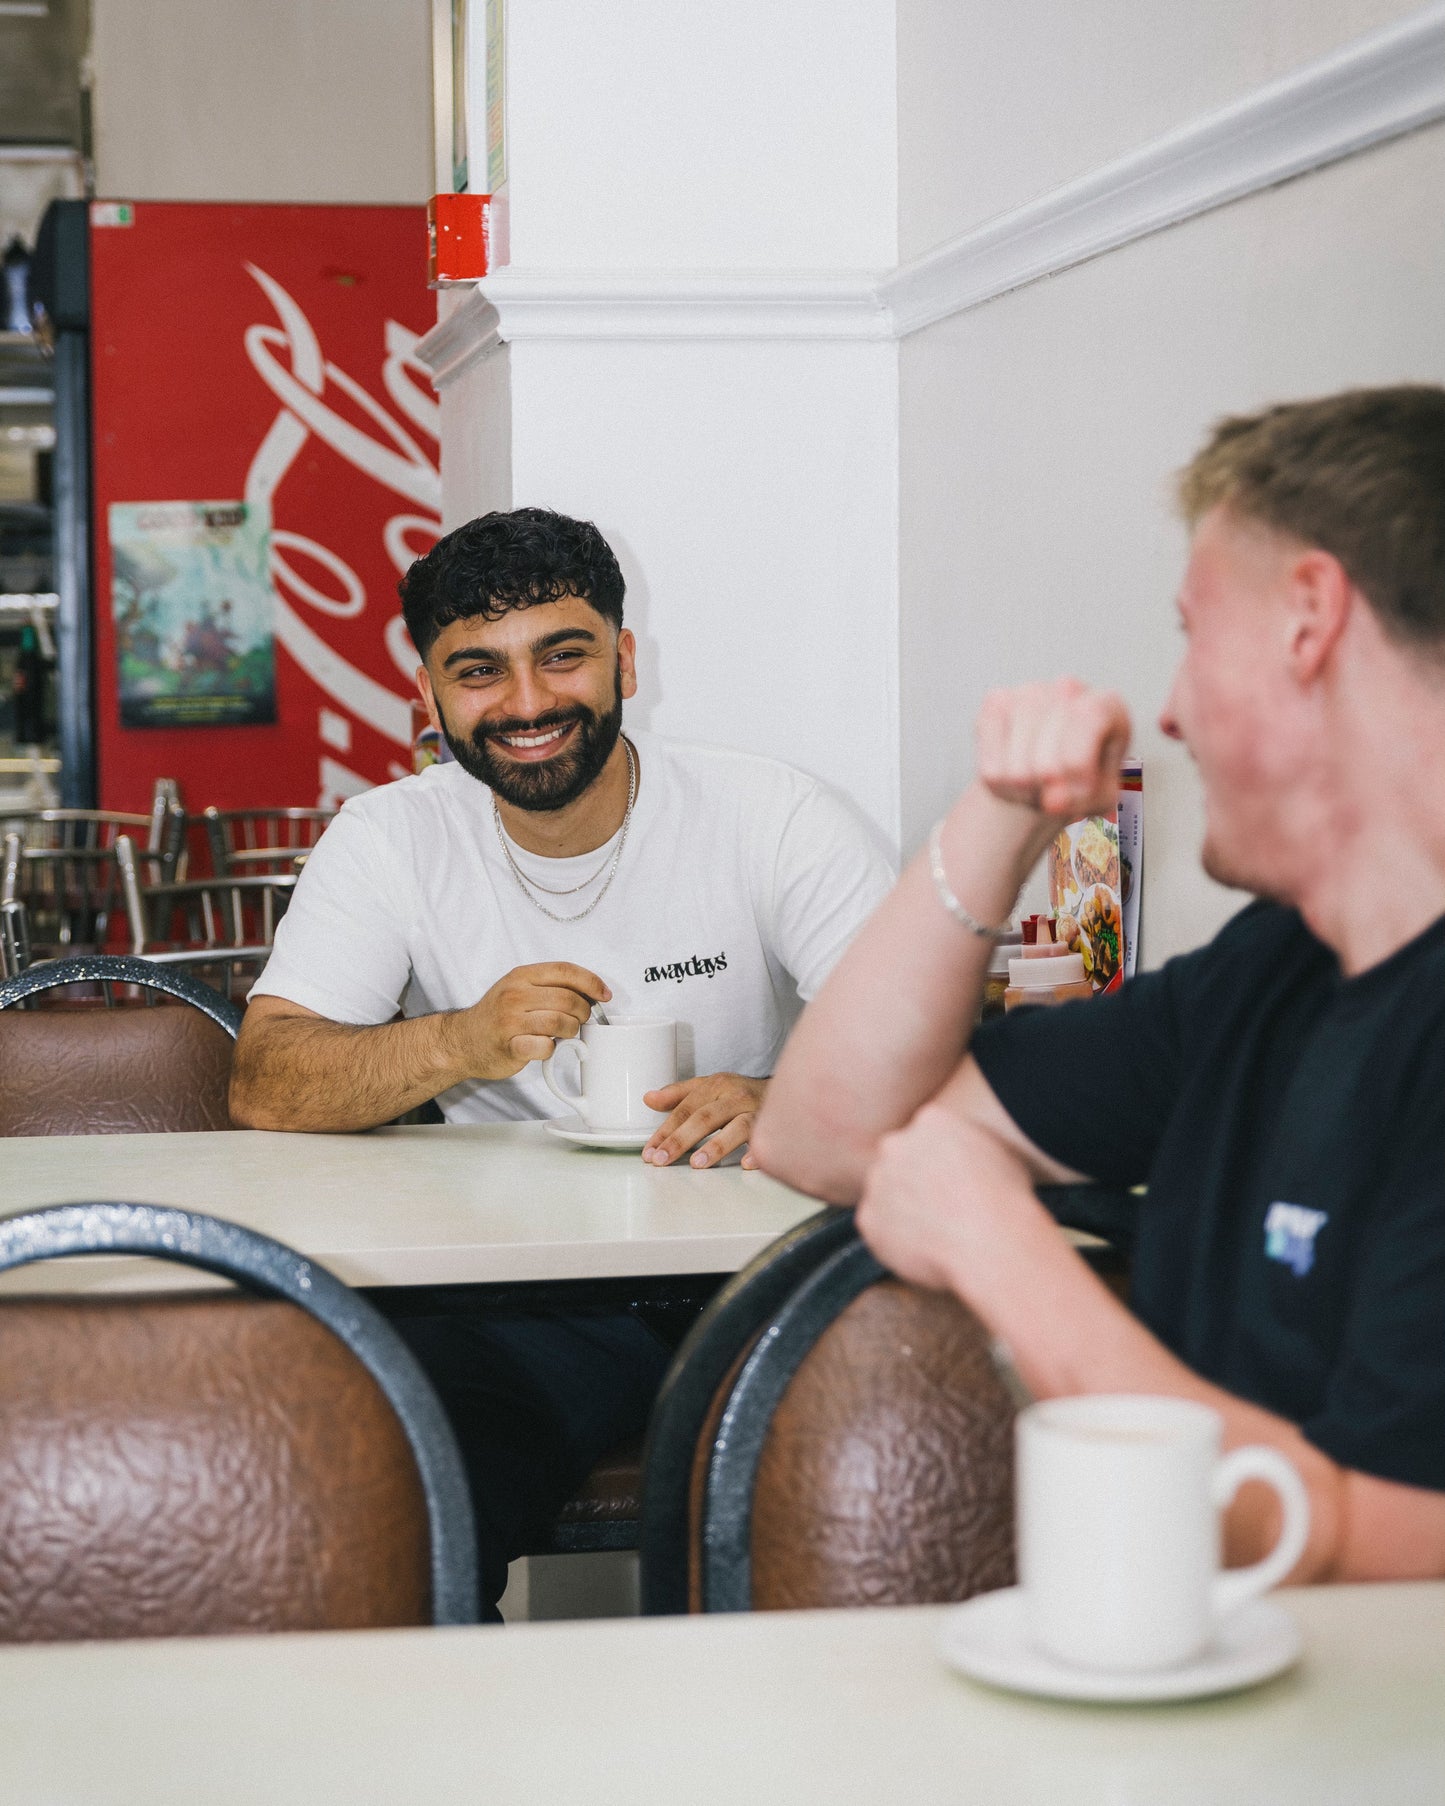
[795, 1708]
[434, 1204]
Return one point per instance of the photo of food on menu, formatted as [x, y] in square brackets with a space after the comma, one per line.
[1094, 872]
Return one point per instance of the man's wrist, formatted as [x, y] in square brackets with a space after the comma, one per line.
[450, 1049]
[989, 848]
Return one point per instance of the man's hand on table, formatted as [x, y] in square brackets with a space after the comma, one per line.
[716, 1111]
[523, 1017]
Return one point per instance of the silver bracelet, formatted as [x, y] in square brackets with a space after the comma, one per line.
[946, 896]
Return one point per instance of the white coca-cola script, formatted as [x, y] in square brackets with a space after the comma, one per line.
[288, 359]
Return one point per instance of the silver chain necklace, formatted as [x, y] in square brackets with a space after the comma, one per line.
[527, 885]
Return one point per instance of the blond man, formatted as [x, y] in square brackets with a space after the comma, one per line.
[1280, 1092]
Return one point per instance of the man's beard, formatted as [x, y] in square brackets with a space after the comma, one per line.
[549, 783]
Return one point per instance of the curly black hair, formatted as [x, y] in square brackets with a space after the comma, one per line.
[499, 562]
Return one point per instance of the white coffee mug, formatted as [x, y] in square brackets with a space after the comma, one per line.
[620, 1061]
[1119, 1503]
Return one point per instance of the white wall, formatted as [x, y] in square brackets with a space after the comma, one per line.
[748, 490]
[1039, 433]
[476, 436]
[268, 100]
[684, 136]
[998, 104]
[746, 477]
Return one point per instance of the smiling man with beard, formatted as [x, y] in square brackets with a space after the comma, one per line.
[451, 928]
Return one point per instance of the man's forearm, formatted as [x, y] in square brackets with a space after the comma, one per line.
[894, 1019]
[1068, 1334]
[305, 1073]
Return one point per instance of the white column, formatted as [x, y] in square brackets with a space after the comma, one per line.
[688, 348]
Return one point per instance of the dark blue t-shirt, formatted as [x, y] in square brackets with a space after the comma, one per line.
[1290, 1126]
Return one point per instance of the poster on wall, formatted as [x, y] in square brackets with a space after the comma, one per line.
[461, 171]
[270, 353]
[496, 95]
[194, 613]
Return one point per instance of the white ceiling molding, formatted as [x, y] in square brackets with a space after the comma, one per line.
[509, 305]
[687, 306]
[469, 333]
[1377, 87]
[1374, 88]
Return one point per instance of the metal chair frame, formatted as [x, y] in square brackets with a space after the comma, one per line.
[77, 829]
[267, 837]
[227, 922]
[117, 969]
[272, 1270]
[732, 1470]
[735, 1314]
[73, 879]
[14, 938]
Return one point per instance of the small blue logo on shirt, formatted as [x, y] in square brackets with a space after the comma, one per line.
[1289, 1235]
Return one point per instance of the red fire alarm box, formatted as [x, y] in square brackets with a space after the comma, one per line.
[459, 238]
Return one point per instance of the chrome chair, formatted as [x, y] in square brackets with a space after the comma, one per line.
[261, 840]
[158, 833]
[70, 894]
[14, 938]
[63, 867]
[221, 927]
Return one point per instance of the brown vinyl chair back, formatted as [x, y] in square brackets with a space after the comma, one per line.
[183, 1464]
[886, 1475]
[863, 1452]
[104, 1071]
[178, 1466]
[859, 1451]
[261, 840]
[829, 1436]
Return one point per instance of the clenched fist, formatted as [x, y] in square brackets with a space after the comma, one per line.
[1053, 748]
[524, 1016]
[1047, 754]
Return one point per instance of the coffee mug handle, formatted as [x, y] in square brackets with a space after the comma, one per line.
[1258, 1462]
[573, 1101]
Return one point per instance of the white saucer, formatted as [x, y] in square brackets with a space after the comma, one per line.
[985, 1639]
[572, 1128]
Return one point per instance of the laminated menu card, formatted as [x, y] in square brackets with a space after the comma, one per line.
[1094, 871]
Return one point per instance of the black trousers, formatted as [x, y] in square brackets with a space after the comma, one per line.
[535, 1401]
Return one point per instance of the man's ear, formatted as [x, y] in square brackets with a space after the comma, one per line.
[627, 663]
[429, 701]
[1319, 600]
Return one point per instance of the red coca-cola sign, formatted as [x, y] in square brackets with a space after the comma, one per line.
[266, 354]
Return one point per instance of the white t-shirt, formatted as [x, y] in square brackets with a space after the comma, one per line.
[741, 883]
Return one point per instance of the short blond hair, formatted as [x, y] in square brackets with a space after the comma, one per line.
[1360, 475]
